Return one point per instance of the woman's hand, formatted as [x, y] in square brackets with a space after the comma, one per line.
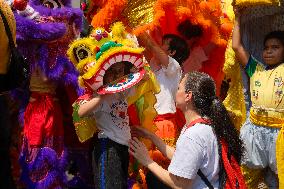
[139, 151]
[138, 131]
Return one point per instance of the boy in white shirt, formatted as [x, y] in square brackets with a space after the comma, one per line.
[166, 63]
[111, 157]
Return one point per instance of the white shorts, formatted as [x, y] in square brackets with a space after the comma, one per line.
[260, 146]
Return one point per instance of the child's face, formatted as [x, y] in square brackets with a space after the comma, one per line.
[115, 72]
[166, 45]
[273, 52]
[108, 77]
[118, 70]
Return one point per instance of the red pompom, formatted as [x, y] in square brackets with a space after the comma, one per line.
[83, 6]
[20, 4]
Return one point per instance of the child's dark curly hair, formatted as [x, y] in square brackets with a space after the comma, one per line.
[188, 30]
[178, 45]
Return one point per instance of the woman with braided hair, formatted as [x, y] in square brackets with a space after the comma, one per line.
[198, 149]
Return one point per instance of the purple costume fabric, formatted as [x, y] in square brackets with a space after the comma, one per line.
[44, 41]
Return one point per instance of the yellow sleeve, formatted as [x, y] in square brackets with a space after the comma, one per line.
[146, 86]
[85, 127]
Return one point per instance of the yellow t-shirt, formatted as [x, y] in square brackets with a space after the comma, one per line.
[267, 90]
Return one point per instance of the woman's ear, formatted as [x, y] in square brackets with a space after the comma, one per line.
[188, 96]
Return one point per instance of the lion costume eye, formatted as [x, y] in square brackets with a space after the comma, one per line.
[99, 32]
[82, 53]
[52, 4]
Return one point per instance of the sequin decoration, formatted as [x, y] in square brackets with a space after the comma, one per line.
[139, 12]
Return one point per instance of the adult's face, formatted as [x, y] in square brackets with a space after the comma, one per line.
[182, 97]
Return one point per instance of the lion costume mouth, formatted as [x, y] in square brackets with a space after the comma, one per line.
[127, 81]
[95, 55]
[123, 83]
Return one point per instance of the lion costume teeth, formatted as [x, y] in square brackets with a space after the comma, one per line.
[94, 55]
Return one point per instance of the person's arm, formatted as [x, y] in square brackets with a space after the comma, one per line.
[241, 53]
[148, 55]
[165, 149]
[86, 108]
[147, 41]
[140, 152]
[169, 179]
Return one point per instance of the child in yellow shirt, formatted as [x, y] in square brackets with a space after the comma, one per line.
[262, 133]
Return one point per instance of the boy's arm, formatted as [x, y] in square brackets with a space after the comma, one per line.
[241, 53]
[86, 108]
[147, 41]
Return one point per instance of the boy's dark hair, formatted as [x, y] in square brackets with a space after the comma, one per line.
[188, 30]
[179, 45]
[275, 35]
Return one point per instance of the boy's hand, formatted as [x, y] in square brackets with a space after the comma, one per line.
[157, 34]
[146, 77]
[138, 131]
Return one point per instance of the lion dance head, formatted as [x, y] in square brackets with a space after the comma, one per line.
[108, 62]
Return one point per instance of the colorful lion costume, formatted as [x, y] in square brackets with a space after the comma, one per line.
[44, 30]
[93, 56]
